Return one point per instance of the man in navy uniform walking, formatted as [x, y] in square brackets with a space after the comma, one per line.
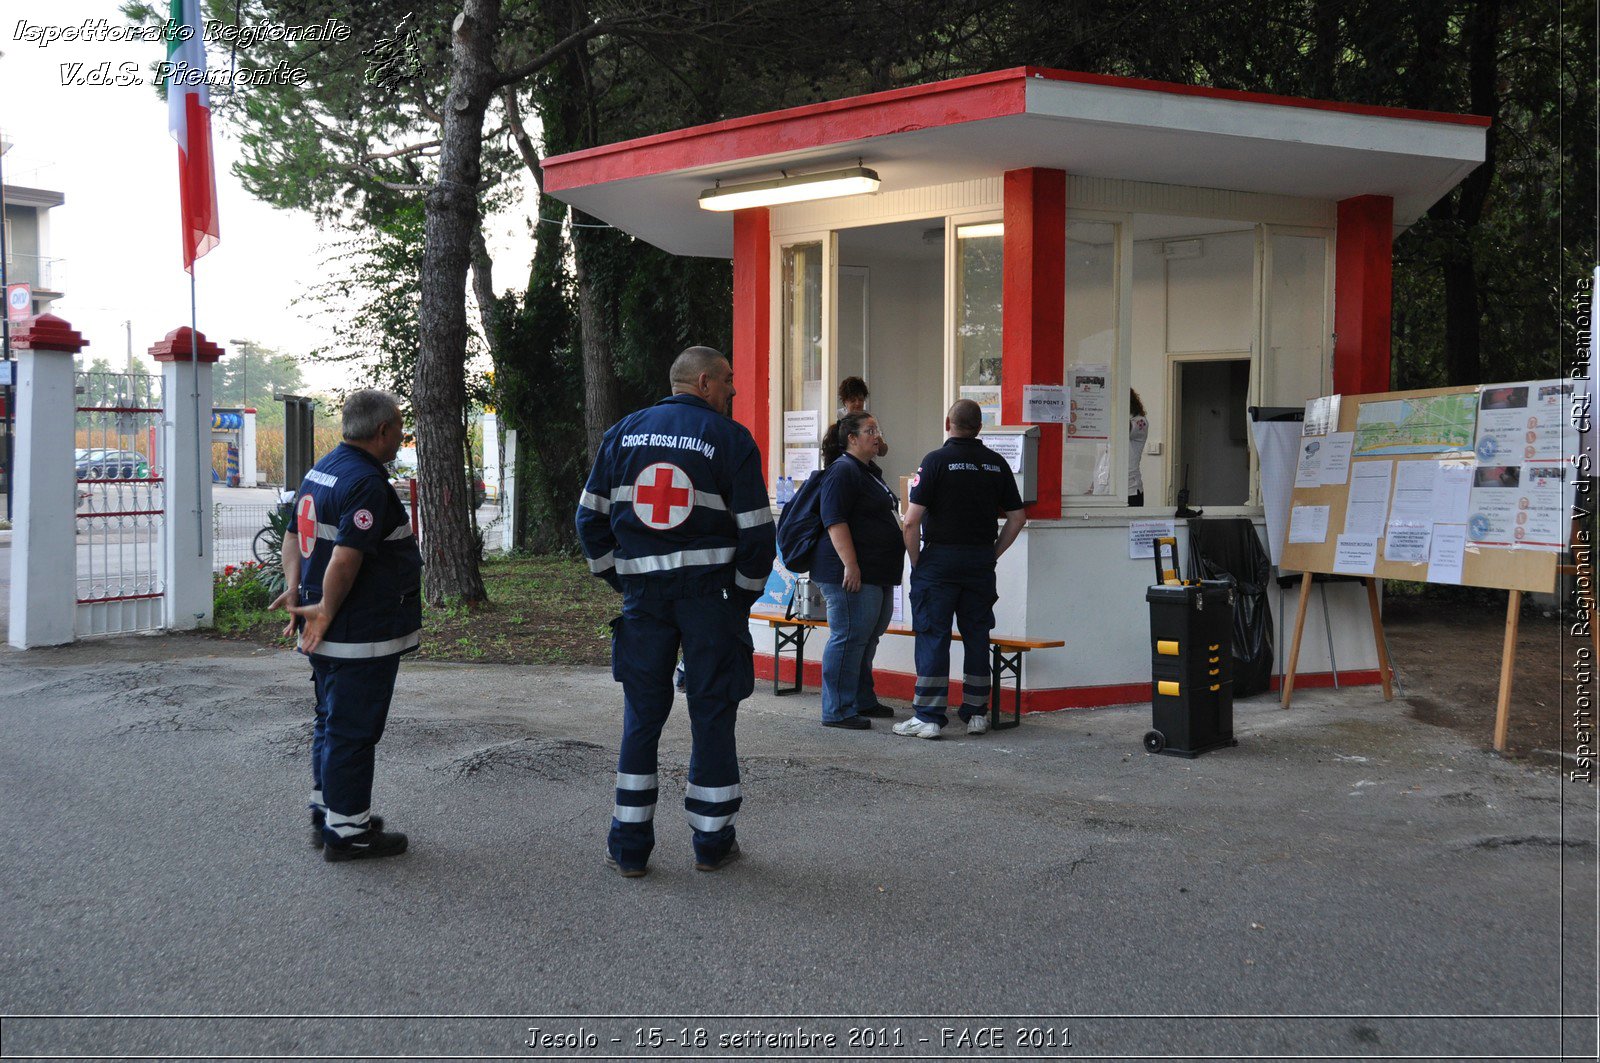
[675, 516]
[957, 495]
[353, 578]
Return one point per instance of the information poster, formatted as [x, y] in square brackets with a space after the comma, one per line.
[1368, 508]
[1308, 524]
[1407, 541]
[1008, 446]
[1519, 423]
[1044, 403]
[1308, 469]
[1421, 425]
[1447, 553]
[801, 426]
[1495, 491]
[1089, 402]
[1322, 414]
[1142, 536]
[1336, 457]
[800, 462]
[1355, 554]
[987, 396]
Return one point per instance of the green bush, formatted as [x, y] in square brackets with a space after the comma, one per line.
[240, 595]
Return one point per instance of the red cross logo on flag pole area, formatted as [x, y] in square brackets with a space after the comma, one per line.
[663, 496]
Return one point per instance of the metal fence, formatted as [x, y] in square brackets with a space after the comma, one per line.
[120, 576]
[241, 535]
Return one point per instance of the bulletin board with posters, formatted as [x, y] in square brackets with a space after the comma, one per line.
[1467, 485]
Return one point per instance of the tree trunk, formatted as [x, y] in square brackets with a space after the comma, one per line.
[449, 546]
[1462, 319]
[601, 408]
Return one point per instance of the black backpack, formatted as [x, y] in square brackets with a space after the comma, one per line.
[800, 525]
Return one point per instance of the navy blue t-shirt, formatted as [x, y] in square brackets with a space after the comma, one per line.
[965, 487]
[855, 495]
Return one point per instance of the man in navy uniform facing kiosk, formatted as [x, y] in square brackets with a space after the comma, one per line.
[958, 493]
[675, 515]
[354, 584]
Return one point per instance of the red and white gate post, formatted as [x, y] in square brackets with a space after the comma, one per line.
[43, 603]
[186, 455]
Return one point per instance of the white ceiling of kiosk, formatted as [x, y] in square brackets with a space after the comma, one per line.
[1092, 131]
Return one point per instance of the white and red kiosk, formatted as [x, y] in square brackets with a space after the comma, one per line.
[993, 236]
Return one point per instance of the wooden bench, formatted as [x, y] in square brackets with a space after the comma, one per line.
[1005, 660]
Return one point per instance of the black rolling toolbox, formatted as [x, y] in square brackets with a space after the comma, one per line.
[1191, 661]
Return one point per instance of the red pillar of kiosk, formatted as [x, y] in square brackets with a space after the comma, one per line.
[1033, 311]
[752, 323]
[1363, 294]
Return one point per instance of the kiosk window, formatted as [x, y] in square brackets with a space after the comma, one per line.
[1093, 358]
[802, 360]
[979, 267]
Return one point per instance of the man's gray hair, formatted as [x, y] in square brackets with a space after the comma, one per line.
[688, 366]
[366, 411]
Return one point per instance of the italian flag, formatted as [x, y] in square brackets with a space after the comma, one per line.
[189, 122]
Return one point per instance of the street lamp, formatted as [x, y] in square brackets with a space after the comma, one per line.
[244, 371]
[9, 372]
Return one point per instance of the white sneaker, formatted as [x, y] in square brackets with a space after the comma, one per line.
[978, 724]
[915, 728]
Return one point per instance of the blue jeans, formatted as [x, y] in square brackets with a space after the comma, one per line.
[855, 623]
[952, 582]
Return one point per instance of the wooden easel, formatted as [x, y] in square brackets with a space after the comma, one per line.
[1300, 626]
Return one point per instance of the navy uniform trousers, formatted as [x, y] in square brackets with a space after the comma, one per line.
[713, 633]
[352, 707]
[952, 582]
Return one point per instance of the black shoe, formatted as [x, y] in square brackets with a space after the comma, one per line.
[722, 861]
[877, 712]
[318, 819]
[849, 723]
[370, 844]
[626, 872]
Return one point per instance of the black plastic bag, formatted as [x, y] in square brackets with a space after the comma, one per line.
[1228, 548]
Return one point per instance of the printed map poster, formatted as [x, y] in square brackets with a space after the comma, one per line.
[1416, 426]
[1089, 402]
[987, 396]
[1525, 422]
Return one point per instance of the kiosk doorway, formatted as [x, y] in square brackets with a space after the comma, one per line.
[1212, 452]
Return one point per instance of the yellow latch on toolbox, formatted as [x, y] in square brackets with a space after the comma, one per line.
[1215, 646]
[1167, 647]
[1213, 660]
[1215, 671]
[1216, 686]
[1167, 686]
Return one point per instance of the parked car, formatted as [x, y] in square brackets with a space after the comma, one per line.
[99, 463]
[404, 469]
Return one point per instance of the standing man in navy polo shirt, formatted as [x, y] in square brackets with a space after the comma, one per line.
[957, 496]
[353, 577]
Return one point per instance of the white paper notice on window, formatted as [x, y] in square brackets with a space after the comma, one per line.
[1044, 403]
[801, 426]
[1407, 542]
[1356, 554]
[800, 462]
[1308, 524]
[1446, 553]
[1336, 457]
[1308, 471]
[1142, 536]
[1008, 447]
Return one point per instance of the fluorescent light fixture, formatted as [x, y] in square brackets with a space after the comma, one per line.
[855, 181]
[987, 228]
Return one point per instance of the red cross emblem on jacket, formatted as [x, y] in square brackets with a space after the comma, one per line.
[663, 496]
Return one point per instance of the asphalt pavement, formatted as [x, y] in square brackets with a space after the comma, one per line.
[1348, 882]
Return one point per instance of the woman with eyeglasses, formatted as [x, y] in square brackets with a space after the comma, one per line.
[858, 564]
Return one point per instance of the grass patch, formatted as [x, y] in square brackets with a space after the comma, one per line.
[541, 610]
